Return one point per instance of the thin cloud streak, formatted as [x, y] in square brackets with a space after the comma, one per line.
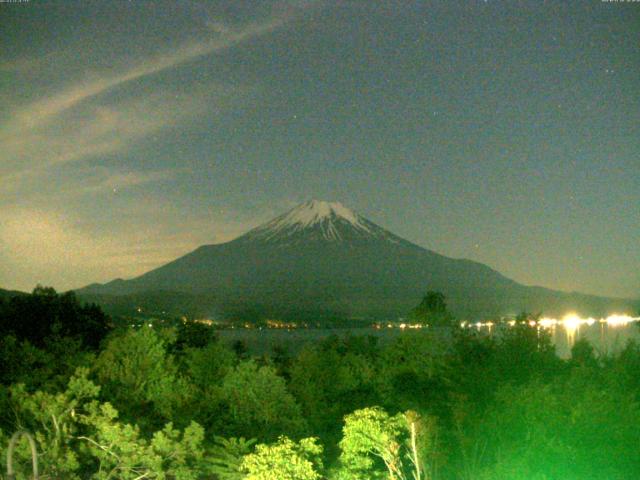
[41, 111]
[100, 130]
[43, 237]
[26, 139]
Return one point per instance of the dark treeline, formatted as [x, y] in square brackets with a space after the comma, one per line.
[175, 403]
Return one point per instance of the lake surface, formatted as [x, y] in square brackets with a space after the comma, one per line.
[605, 337]
[262, 341]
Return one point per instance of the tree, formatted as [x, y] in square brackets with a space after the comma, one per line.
[255, 402]
[45, 314]
[284, 460]
[332, 380]
[207, 366]
[582, 353]
[192, 334]
[226, 456]
[139, 376]
[571, 427]
[376, 445]
[523, 352]
[432, 310]
[526, 317]
[21, 362]
[413, 372]
[204, 370]
[79, 437]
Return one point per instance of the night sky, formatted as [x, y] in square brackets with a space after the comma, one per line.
[500, 131]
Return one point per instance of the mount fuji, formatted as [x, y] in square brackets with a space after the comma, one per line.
[322, 260]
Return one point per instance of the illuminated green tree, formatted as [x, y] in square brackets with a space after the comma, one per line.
[376, 445]
[284, 460]
[140, 377]
[255, 403]
[524, 352]
[226, 456]
[79, 437]
[204, 369]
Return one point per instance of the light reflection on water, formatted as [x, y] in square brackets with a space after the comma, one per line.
[607, 335]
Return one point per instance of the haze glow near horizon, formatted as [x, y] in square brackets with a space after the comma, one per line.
[508, 134]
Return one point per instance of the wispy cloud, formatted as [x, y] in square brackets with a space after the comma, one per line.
[41, 111]
[32, 137]
[45, 236]
[98, 129]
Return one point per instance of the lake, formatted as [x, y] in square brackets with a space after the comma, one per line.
[606, 335]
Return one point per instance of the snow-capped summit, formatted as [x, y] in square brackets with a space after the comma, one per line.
[330, 221]
[317, 211]
[321, 260]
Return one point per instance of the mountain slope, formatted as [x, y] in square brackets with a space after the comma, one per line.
[322, 260]
[8, 294]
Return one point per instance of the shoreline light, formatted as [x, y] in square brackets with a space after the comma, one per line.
[620, 320]
[570, 321]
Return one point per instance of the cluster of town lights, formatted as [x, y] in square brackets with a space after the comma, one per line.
[570, 321]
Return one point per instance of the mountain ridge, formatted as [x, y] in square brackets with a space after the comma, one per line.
[8, 294]
[323, 257]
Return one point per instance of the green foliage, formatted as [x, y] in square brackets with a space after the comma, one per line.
[523, 352]
[255, 402]
[500, 406]
[122, 453]
[413, 372]
[53, 419]
[226, 456]
[21, 362]
[139, 375]
[207, 366]
[571, 428]
[334, 379]
[432, 310]
[376, 445]
[192, 334]
[45, 314]
[523, 426]
[284, 460]
[625, 368]
[371, 435]
[45, 336]
[582, 353]
[204, 369]
[78, 438]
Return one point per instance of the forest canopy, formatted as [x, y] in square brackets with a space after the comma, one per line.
[162, 403]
